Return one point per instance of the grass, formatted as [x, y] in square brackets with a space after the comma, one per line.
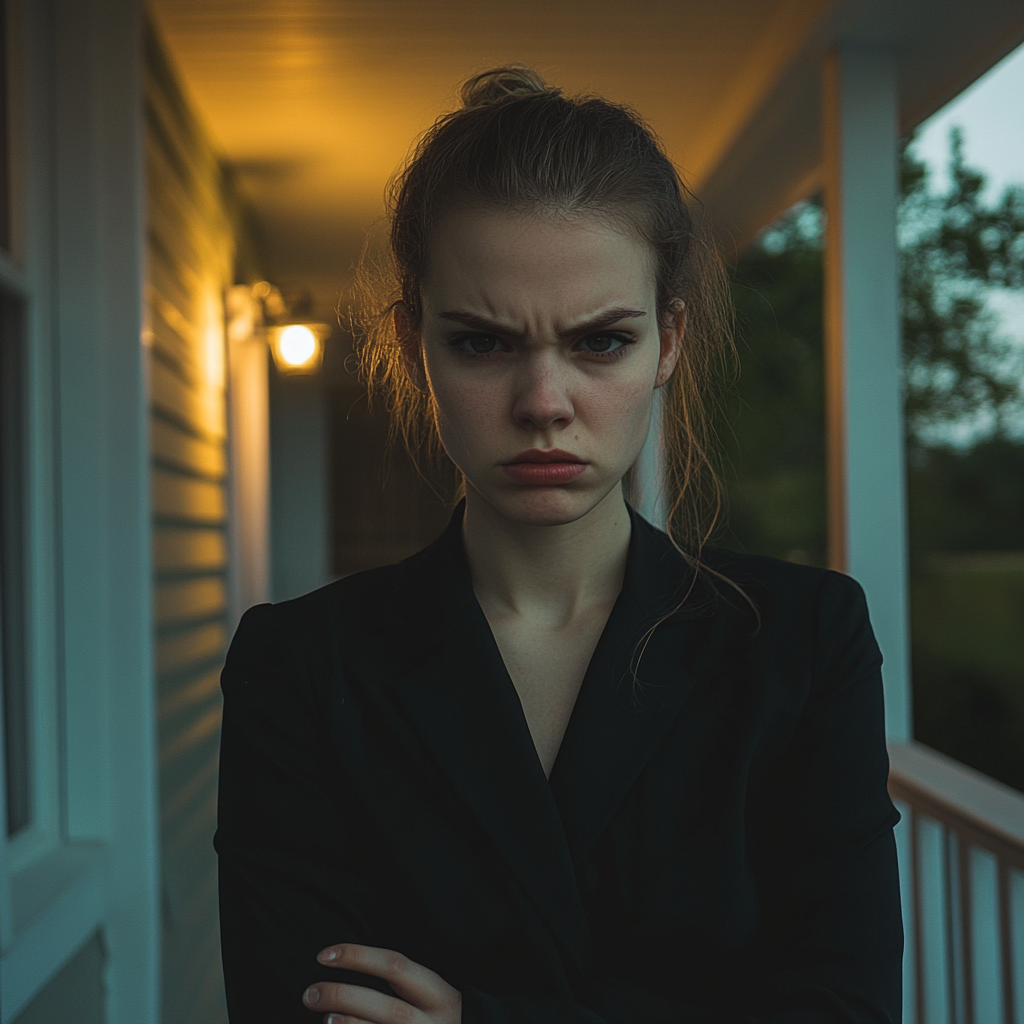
[967, 628]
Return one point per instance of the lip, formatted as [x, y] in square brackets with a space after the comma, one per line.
[539, 456]
[545, 468]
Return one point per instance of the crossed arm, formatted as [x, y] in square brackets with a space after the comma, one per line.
[292, 881]
[421, 996]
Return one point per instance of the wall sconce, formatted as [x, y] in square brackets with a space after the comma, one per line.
[297, 344]
[298, 348]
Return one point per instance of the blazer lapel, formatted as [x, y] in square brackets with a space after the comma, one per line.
[462, 703]
[634, 688]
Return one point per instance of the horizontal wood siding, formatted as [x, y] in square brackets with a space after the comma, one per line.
[190, 264]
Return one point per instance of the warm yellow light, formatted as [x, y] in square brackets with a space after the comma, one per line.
[298, 348]
[297, 345]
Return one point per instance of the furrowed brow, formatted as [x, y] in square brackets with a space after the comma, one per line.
[474, 320]
[603, 320]
[596, 323]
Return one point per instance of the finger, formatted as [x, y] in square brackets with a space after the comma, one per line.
[411, 981]
[344, 1018]
[359, 1003]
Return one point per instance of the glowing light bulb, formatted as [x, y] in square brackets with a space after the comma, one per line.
[297, 345]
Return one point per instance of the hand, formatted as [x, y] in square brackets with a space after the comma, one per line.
[424, 997]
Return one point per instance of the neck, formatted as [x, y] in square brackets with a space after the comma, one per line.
[551, 573]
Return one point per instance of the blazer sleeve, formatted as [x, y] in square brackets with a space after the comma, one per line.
[289, 884]
[831, 942]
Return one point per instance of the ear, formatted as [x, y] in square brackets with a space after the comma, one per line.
[411, 345]
[671, 335]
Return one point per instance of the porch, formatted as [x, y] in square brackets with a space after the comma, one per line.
[185, 178]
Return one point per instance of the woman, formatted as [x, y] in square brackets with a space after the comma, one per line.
[557, 767]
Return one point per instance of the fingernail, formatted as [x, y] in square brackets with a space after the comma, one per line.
[327, 955]
[312, 995]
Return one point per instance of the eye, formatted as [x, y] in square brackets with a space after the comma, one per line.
[477, 344]
[605, 344]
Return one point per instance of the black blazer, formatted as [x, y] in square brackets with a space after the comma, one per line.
[715, 843]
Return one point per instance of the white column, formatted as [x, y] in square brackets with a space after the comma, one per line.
[867, 507]
[648, 486]
[249, 438]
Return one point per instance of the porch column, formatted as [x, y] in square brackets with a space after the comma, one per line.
[864, 408]
[648, 489]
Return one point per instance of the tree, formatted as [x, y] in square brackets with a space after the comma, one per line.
[775, 430]
[954, 249]
[962, 377]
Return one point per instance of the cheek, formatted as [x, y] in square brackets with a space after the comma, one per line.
[466, 411]
[620, 414]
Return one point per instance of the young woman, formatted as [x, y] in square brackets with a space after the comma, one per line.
[558, 767]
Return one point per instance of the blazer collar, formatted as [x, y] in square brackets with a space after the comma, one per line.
[465, 708]
[635, 685]
[462, 703]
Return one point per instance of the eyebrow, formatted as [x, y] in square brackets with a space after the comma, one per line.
[596, 323]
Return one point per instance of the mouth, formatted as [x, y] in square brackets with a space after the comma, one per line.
[537, 456]
[545, 468]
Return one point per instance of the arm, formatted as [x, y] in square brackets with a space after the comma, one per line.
[289, 884]
[832, 939]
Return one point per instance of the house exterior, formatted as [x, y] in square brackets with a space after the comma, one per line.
[158, 478]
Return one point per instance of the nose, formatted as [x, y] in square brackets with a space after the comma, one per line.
[542, 398]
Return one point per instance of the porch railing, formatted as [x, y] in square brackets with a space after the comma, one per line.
[961, 847]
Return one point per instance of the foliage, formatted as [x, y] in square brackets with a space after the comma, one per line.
[967, 500]
[968, 650]
[954, 249]
[962, 378]
[775, 437]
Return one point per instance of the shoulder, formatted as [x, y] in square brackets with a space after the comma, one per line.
[777, 581]
[358, 604]
[362, 595]
[773, 575]
[823, 611]
[366, 613]
[743, 590]
[791, 600]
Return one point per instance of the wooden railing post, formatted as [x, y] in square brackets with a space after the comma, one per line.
[966, 860]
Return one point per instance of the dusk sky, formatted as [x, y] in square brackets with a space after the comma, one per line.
[991, 113]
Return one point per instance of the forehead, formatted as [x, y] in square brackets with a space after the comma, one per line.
[499, 258]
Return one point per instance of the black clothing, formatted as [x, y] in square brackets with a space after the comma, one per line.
[715, 843]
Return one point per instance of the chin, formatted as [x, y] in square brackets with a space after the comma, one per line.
[545, 506]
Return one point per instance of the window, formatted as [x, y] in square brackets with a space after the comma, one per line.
[12, 647]
[5, 194]
[12, 674]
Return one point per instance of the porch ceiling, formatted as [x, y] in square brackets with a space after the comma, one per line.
[315, 102]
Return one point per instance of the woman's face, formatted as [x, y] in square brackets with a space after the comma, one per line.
[541, 346]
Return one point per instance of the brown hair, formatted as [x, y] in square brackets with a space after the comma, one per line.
[519, 144]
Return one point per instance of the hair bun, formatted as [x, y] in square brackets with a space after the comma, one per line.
[497, 84]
